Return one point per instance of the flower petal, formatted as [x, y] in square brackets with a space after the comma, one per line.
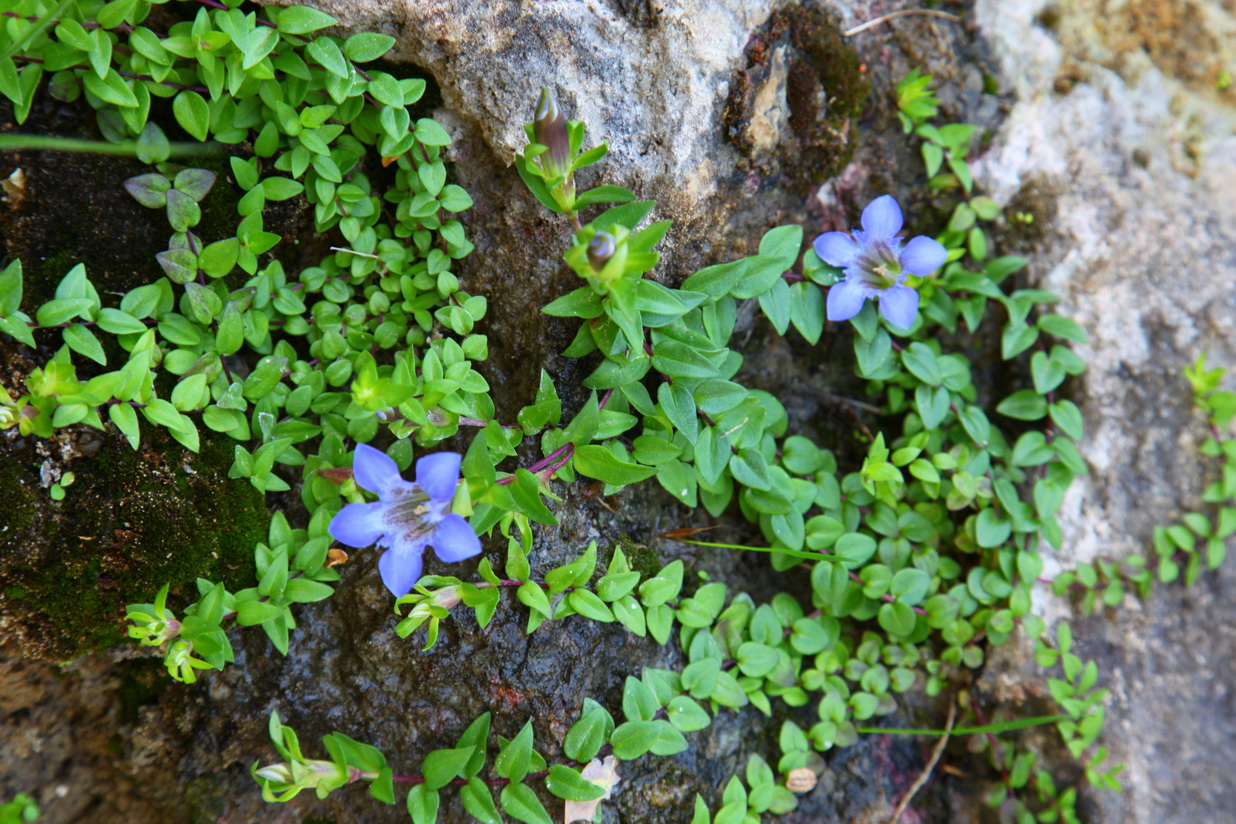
[374, 469]
[922, 256]
[437, 474]
[454, 540]
[845, 300]
[882, 218]
[401, 568]
[900, 306]
[358, 525]
[836, 248]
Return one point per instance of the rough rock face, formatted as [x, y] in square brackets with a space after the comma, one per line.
[1120, 133]
[651, 77]
[732, 115]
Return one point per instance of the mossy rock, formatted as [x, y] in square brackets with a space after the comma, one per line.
[132, 521]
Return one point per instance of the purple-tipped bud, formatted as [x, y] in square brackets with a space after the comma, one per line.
[549, 127]
[600, 249]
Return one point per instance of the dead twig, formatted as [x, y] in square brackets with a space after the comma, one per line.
[936, 752]
[892, 15]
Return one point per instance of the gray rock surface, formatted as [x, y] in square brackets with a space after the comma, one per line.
[1118, 130]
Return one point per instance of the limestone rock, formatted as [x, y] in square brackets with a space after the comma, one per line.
[1120, 136]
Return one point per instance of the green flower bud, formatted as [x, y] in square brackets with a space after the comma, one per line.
[600, 249]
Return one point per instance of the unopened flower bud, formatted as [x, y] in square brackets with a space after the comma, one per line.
[447, 597]
[304, 775]
[280, 773]
[549, 128]
[600, 249]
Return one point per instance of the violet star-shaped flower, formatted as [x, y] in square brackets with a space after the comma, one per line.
[407, 517]
[876, 265]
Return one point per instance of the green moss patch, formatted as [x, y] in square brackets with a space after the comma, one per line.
[132, 522]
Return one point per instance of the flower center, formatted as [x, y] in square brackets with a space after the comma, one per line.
[413, 512]
[879, 266]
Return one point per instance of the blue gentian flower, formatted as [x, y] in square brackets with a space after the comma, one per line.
[876, 265]
[407, 517]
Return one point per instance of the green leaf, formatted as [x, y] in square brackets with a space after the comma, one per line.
[326, 53]
[603, 194]
[933, 405]
[531, 595]
[1016, 338]
[807, 310]
[750, 469]
[62, 310]
[110, 89]
[681, 361]
[281, 188]
[1001, 267]
[116, 322]
[125, 419]
[679, 406]
[701, 814]
[974, 421]
[991, 530]
[441, 767]
[921, 360]
[587, 735]
[634, 738]
[203, 303]
[775, 304]
[596, 461]
[152, 144]
[686, 715]
[1046, 372]
[479, 802]
[423, 804]
[638, 702]
[150, 190]
[305, 591]
[872, 353]
[717, 281]
[183, 213]
[475, 736]
[581, 303]
[1068, 417]
[192, 113]
[910, 586]
[1024, 405]
[782, 243]
[855, 548]
[756, 660]
[896, 619]
[219, 258]
[628, 214]
[188, 392]
[431, 133]
[367, 46]
[568, 784]
[82, 341]
[302, 20]
[1062, 327]
[514, 760]
[10, 288]
[252, 613]
[521, 803]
